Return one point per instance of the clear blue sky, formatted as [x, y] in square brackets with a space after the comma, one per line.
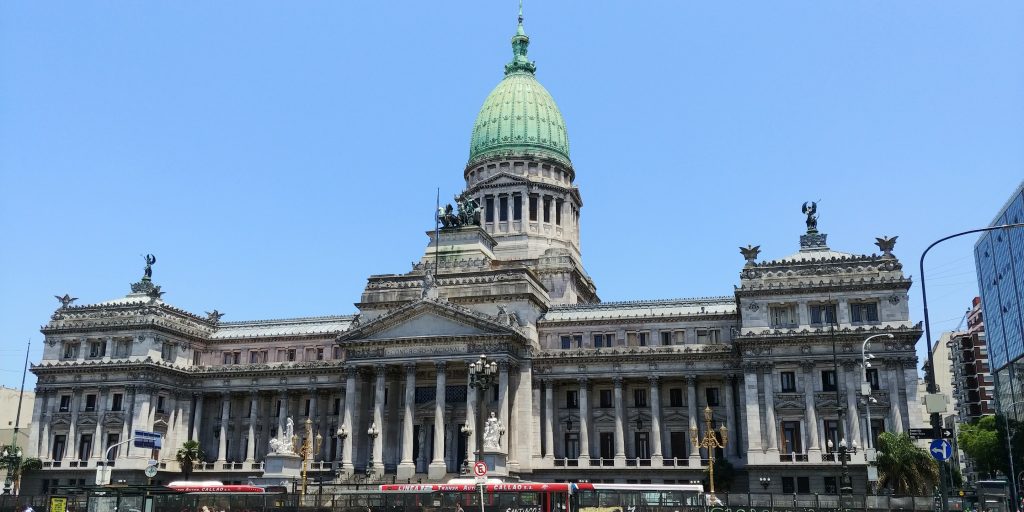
[274, 154]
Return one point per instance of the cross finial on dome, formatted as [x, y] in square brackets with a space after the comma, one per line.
[520, 43]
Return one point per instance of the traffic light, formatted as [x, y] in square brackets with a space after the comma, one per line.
[929, 376]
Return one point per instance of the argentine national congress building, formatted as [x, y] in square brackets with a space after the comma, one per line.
[584, 389]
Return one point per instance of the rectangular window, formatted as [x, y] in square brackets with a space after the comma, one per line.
[547, 209]
[117, 402]
[65, 403]
[607, 443]
[603, 340]
[85, 447]
[677, 440]
[112, 439]
[823, 314]
[641, 339]
[788, 486]
[828, 380]
[337, 406]
[639, 398]
[90, 403]
[675, 397]
[830, 485]
[69, 350]
[788, 382]
[320, 354]
[517, 207]
[605, 396]
[791, 440]
[503, 208]
[161, 404]
[572, 445]
[666, 338]
[577, 340]
[864, 312]
[877, 427]
[96, 349]
[572, 399]
[783, 316]
[566, 342]
[291, 354]
[711, 394]
[197, 358]
[336, 353]
[558, 212]
[803, 485]
[642, 441]
[488, 208]
[59, 441]
[309, 404]
[533, 208]
[831, 434]
[872, 378]
[708, 336]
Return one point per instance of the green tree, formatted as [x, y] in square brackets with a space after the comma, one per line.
[905, 468]
[189, 453]
[984, 443]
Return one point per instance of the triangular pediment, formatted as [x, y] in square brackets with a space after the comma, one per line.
[429, 318]
[426, 324]
[502, 178]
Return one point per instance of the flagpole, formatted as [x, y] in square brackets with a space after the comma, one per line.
[437, 229]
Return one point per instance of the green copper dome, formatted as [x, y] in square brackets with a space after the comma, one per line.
[519, 117]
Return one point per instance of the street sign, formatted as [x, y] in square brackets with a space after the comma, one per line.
[930, 433]
[144, 439]
[58, 504]
[940, 449]
[103, 475]
[480, 468]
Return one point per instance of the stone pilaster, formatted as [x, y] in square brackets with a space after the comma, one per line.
[438, 469]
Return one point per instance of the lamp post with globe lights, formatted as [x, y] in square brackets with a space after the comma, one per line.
[373, 432]
[11, 459]
[482, 375]
[865, 390]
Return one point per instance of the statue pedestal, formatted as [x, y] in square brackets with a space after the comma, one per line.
[280, 469]
[497, 463]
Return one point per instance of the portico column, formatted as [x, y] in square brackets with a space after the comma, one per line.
[282, 415]
[225, 407]
[378, 420]
[108, 352]
[197, 417]
[620, 445]
[691, 413]
[407, 468]
[503, 404]
[97, 443]
[72, 449]
[895, 368]
[730, 415]
[250, 447]
[769, 406]
[584, 399]
[549, 419]
[438, 469]
[811, 422]
[752, 411]
[656, 456]
[351, 398]
[853, 378]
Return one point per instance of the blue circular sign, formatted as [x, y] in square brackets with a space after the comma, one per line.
[940, 449]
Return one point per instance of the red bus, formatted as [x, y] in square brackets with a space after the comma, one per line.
[213, 487]
[461, 496]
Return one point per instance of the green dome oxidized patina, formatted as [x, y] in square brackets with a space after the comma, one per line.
[519, 117]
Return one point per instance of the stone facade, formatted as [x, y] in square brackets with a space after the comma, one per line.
[584, 389]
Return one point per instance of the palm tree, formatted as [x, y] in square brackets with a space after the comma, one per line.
[189, 453]
[905, 468]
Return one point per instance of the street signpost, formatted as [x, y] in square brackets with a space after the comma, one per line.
[940, 449]
[930, 433]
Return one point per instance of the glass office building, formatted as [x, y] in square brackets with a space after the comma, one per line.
[999, 256]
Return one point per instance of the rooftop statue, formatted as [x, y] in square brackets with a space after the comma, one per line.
[810, 209]
[750, 253]
[214, 316]
[150, 260]
[66, 300]
[885, 244]
[467, 213]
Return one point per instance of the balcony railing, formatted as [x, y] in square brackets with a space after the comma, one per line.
[833, 457]
[792, 457]
[567, 462]
[602, 462]
[635, 462]
[675, 462]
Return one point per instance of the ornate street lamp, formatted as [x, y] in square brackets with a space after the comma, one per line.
[373, 432]
[710, 442]
[846, 483]
[310, 445]
[11, 459]
[482, 374]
